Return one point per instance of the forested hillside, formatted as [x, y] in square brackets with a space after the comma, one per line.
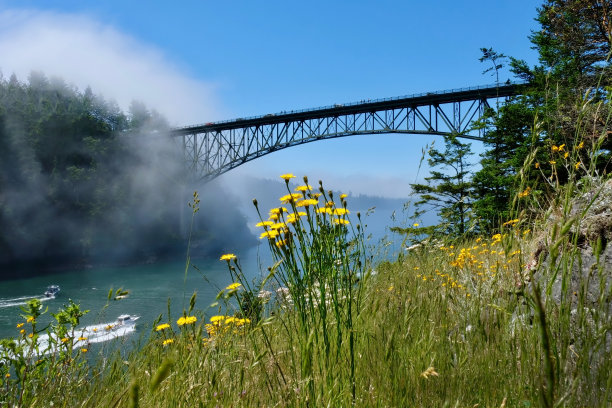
[537, 140]
[83, 182]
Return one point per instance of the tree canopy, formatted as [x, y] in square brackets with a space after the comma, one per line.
[83, 182]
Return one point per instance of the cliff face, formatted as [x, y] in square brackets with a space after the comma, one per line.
[573, 256]
[572, 267]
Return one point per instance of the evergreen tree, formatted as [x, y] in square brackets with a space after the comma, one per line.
[509, 141]
[573, 45]
[448, 190]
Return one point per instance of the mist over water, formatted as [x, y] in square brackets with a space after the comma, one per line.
[94, 199]
[83, 183]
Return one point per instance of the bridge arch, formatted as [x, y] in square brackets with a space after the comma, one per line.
[212, 149]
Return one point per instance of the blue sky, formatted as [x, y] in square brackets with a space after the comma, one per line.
[199, 61]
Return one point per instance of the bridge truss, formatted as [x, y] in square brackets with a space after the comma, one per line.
[215, 148]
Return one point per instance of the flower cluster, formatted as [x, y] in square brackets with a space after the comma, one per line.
[473, 265]
[282, 223]
[186, 320]
[220, 324]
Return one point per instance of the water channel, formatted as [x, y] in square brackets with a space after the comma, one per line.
[150, 288]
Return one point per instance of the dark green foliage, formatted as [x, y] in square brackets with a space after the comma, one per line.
[448, 191]
[82, 182]
[508, 140]
[574, 40]
[251, 306]
[573, 45]
[53, 143]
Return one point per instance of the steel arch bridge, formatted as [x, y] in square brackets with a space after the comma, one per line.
[214, 148]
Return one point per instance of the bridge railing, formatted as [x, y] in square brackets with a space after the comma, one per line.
[395, 98]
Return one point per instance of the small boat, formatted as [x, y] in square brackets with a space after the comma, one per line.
[52, 291]
[126, 319]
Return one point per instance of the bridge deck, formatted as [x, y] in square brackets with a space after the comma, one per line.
[416, 100]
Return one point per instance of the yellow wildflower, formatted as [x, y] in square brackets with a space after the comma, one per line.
[217, 319]
[65, 340]
[163, 326]
[343, 196]
[83, 350]
[264, 224]
[269, 234]
[525, 192]
[552, 162]
[22, 331]
[290, 197]
[186, 320]
[555, 148]
[566, 155]
[168, 341]
[287, 176]
[580, 145]
[537, 165]
[278, 210]
[511, 222]
[20, 325]
[227, 257]
[577, 165]
[416, 224]
[303, 188]
[306, 203]
[561, 147]
[341, 221]
[30, 319]
[233, 286]
[341, 211]
[82, 338]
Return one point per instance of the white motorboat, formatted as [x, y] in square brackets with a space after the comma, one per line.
[51, 291]
[84, 336]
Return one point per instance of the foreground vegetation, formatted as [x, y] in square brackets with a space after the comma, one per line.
[504, 312]
[448, 324]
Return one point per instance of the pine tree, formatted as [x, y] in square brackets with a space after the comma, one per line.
[448, 190]
[574, 49]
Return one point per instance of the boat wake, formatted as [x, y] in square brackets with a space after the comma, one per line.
[50, 293]
[19, 301]
[97, 333]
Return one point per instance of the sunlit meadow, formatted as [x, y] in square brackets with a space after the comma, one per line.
[457, 323]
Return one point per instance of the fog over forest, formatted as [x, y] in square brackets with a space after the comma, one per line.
[82, 182]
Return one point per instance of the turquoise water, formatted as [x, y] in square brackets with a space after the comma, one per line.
[150, 287]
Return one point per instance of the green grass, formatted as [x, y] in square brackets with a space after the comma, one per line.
[463, 324]
[432, 329]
